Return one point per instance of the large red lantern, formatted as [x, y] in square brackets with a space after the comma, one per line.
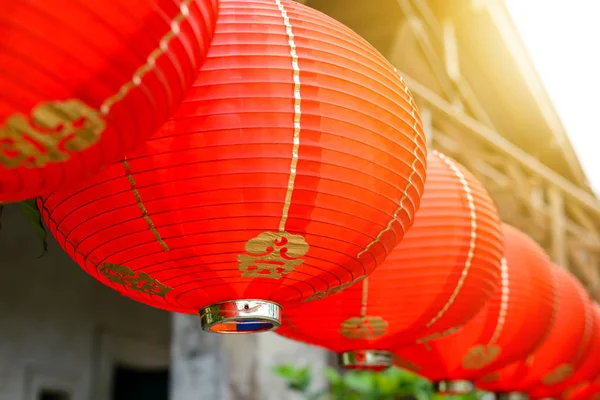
[293, 167]
[587, 370]
[83, 82]
[557, 357]
[510, 326]
[437, 278]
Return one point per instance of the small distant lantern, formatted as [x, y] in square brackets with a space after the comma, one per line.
[509, 327]
[561, 352]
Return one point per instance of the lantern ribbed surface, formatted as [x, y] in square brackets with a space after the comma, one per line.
[561, 352]
[447, 265]
[83, 82]
[293, 167]
[588, 368]
[509, 327]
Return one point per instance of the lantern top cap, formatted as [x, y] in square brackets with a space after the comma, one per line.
[241, 316]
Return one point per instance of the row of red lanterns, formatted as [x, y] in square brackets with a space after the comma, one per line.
[290, 174]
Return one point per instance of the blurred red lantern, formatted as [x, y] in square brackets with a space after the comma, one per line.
[588, 369]
[584, 391]
[564, 348]
[437, 278]
[293, 167]
[83, 82]
[510, 326]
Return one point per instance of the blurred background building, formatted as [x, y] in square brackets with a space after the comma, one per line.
[65, 337]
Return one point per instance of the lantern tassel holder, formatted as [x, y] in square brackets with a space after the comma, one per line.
[454, 387]
[512, 396]
[241, 316]
[375, 360]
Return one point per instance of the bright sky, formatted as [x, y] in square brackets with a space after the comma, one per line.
[563, 38]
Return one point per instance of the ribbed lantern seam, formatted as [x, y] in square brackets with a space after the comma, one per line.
[408, 185]
[503, 302]
[150, 63]
[471, 252]
[297, 116]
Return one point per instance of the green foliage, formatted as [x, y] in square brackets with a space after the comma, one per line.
[32, 213]
[392, 384]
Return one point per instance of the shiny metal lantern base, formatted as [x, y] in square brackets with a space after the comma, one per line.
[512, 396]
[241, 316]
[374, 360]
[454, 387]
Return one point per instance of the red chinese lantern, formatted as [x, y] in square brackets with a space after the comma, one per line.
[510, 326]
[83, 82]
[437, 278]
[585, 391]
[563, 349]
[587, 370]
[293, 167]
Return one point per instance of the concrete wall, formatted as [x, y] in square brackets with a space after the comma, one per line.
[60, 328]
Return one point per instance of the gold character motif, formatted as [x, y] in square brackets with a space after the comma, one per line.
[480, 356]
[406, 364]
[363, 328]
[491, 377]
[142, 282]
[438, 335]
[558, 375]
[333, 290]
[272, 255]
[56, 128]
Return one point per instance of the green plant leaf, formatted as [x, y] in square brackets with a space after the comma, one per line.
[31, 211]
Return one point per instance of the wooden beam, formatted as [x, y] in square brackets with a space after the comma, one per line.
[569, 190]
[558, 229]
[451, 57]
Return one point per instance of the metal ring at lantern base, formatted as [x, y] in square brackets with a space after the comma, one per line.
[375, 360]
[454, 387]
[241, 316]
[512, 396]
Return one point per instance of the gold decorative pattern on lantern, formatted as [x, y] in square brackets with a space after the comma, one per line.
[558, 375]
[272, 255]
[480, 356]
[143, 210]
[55, 129]
[333, 290]
[406, 364]
[491, 377]
[140, 282]
[363, 328]
[438, 335]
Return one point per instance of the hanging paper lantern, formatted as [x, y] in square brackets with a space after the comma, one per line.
[437, 278]
[587, 370]
[510, 326]
[585, 391]
[558, 356]
[83, 82]
[293, 167]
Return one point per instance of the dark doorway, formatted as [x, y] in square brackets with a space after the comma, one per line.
[140, 384]
[48, 394]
